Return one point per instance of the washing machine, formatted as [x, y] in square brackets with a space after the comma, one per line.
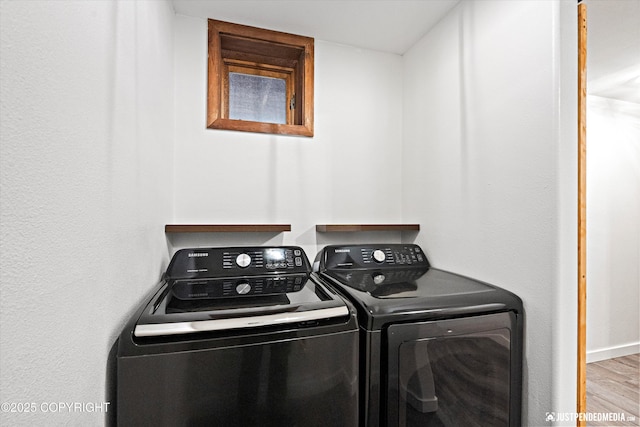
[436, 348]
[239, 336]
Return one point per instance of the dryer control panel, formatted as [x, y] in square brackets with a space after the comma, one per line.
[373, 256]
[237, 261]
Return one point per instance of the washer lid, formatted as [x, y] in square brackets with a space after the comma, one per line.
[192, 306]
[390, 295]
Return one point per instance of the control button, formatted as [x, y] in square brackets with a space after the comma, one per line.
[243, 288]
[243, 260]
[298, 262]
[378, 278]
[297, 252]
[379, 255]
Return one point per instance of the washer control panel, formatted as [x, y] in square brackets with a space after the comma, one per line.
[237, 261]
[372, 256]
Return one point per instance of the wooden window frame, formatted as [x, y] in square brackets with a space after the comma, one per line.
[250, 50]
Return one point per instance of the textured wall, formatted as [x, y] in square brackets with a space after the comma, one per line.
[349, 172]
[613, 228]
[87, 173]
[85, 163]
[483, 167]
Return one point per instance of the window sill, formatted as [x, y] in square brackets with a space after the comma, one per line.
[258, 127]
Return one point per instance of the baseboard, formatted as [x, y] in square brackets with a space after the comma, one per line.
[611, 352]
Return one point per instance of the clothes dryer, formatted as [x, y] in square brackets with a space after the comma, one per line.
[436, 348]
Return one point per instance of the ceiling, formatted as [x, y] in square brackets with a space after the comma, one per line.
[613, 57]
[385, 25]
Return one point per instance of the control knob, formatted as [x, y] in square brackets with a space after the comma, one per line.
[378, 278]
[379, 256]
[243, 260]
[243, 288]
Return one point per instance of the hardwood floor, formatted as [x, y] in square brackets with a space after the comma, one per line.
[612, 387]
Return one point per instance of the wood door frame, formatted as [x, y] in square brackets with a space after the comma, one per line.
[582, 214]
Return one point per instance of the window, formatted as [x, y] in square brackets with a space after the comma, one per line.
[259, 80]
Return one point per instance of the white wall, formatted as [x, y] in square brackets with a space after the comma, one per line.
[349, 172]
[613, 228]
[90, 170]
[484, 165]
[86, 172]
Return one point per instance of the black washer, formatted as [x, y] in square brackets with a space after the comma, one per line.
[239, 336]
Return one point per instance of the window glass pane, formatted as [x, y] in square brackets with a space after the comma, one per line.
[257, 98]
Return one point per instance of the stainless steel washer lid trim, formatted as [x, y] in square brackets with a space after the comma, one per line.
[158, 329]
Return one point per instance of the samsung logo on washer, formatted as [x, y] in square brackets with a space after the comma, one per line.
[342, 250]
[197, 254]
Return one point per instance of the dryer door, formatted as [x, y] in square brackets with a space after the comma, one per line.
[451, 372]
